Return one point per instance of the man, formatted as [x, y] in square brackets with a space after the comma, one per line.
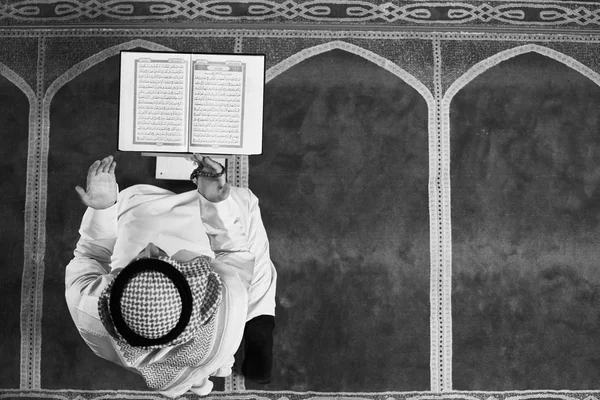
[166, 285]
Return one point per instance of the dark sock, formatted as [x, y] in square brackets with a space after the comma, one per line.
[258, 349]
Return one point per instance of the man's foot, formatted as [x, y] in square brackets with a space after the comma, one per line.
[258, 349]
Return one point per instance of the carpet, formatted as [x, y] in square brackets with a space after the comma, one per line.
[581, 14]
[430, 198]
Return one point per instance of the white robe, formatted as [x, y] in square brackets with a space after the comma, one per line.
[182, 225]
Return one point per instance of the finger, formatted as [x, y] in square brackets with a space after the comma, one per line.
[197, 158]
[82, 194]
[102, 165]
[192, 159]
[107, 164]
[93, 168]
[98, 167]
[80, 191]
[113, 166]
[213, 164]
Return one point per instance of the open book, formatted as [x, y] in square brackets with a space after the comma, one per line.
[191, 103]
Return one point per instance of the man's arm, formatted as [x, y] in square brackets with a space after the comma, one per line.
[227, 237]
[261, 299]
[221, 217]
[88, 273]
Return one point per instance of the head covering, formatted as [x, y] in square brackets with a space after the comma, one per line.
[155, 303]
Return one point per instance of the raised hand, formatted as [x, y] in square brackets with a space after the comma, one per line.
[210, 178]
[101, 190]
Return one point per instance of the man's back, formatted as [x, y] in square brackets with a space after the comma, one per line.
[146, 228]
[148, 214]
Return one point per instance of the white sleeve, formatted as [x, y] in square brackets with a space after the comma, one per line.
[227, 237]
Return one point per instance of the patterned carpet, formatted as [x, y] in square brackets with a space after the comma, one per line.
[380, 13]
[429, 183]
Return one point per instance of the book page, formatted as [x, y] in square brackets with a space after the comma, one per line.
[218, 95]
[227, 103]
[154, 102]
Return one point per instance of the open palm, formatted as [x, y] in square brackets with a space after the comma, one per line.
[101, 190]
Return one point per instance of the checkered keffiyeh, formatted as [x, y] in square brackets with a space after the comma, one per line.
[151, 306]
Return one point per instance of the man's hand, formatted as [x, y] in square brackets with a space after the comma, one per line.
[212, 189]
[101, 185]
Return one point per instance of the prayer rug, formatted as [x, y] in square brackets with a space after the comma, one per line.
[429, 185]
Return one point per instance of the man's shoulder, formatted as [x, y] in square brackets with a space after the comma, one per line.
[142, 193]
[151, 189]
[142, 189]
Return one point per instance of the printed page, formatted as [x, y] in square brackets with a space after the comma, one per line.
[227, 102]
[154, 102]
[218, 98]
